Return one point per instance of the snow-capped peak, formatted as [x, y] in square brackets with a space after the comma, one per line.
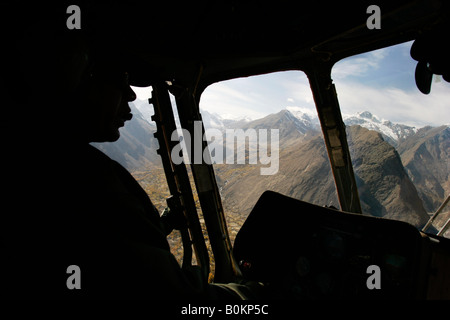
[144, 108]
[212, 120]
[302, 113]
[232, 117]
[308, 118]
[221, 121]
[391, 130]
[303, 118]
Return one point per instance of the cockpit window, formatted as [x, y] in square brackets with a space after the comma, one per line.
[398, 137]
[270, 138]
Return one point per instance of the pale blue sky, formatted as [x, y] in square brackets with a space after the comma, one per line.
[381, 82]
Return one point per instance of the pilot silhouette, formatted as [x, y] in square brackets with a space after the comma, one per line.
[81, 208]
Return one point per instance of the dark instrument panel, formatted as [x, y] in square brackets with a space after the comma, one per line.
[304, 251]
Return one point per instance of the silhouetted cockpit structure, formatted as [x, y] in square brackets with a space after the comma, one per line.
[182, 48]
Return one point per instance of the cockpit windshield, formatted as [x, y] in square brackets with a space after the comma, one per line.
[399, 138]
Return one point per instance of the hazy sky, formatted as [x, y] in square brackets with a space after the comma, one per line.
[381, 82]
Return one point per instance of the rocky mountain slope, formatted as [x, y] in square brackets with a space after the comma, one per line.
[391, 132]
[426, 157]
[384, 186]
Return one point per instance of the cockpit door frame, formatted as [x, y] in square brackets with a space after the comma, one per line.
[226, 268]
[178, 179]
[333, 128]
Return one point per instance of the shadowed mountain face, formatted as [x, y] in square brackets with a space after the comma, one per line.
[304, 173]
[426, 157]
[384, 187]
[402, 185]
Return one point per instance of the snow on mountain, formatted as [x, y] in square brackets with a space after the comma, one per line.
[144, 108]
[231, 117]
[394, 131]
[211, 120]
[303, 113]
[303, 119]
[387, 128]
[222, 121]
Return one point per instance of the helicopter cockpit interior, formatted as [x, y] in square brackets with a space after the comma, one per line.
[297, 249]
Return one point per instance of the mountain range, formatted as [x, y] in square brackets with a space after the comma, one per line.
[402, 172]
[393, 133]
